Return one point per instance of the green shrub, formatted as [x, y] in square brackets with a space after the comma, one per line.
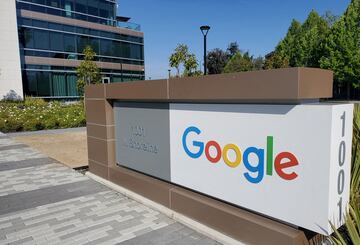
[32, 101]
[36, 114]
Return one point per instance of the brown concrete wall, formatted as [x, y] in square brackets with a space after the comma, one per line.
[279, 85]
[100, 130]
[272, 86]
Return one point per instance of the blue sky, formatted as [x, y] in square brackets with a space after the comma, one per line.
[257, 25]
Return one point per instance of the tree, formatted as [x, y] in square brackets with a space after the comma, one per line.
[216, 61]
[178, 57]
[182, 56]
[258, 63]
[190, 65]
[342, 48]
[233, 49]
[302, 43]
[87, 72]
[286, 48]
[239, 62]
[275, 60]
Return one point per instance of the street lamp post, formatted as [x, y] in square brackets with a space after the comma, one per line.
[169, 73]
[204, 30]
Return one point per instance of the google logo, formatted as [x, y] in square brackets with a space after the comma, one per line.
[282, 161]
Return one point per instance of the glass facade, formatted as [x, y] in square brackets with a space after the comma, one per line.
[47, 39]
[97, 11]
[60, 82]
[40, 38]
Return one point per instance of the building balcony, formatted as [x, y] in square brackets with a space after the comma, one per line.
[128, 25]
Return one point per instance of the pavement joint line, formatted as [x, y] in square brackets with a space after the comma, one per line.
[28, 163]
[66, 190]
[42, 132]
[13, 146]
[197, 226]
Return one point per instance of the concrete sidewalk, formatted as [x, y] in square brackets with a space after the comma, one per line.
[44, 202]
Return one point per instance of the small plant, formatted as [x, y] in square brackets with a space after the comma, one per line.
[87, 72]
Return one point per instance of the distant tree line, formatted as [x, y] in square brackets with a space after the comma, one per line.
[328, 42]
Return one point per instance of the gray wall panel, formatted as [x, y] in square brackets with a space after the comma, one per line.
[143, 137]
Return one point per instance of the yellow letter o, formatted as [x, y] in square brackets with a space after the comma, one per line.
[237, 153]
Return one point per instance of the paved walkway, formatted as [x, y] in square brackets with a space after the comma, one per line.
[44, 202]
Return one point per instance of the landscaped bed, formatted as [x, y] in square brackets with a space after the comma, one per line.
[36, 114]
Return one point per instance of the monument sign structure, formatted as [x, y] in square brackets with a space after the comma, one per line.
[246, 153]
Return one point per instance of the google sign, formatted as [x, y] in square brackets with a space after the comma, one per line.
[258, 168]
[289, 162]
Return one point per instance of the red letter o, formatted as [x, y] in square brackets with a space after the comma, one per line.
[218, 150]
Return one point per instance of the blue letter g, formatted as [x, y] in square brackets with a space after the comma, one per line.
[195, 143]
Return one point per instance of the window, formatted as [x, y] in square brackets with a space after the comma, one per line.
[37, 8]
[39, 1]
[55, 26]
[54, 11]
[54, 3]
[27, 38]
[142, 53]
[56, 41]
[82, 42]
[69, 6]
[39, 23]
[95, 44]
[30, 80]
[69, 43]
[126, 51]
[93, 8]
[81, 6]
[71, 85]
[41, 39]
[43, 84]
[94, 32]
[68, 28]
[23, 6]
[82, 30]
[135, 51]
[81, 17]
[27, 22]
[58, 84]
[105, 47]
[104, 10]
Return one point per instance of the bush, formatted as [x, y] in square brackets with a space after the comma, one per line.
[36, 114]
[32, 101]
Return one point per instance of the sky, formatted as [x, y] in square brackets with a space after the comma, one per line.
[256, 25]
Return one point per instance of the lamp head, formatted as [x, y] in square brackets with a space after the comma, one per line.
[204, 30]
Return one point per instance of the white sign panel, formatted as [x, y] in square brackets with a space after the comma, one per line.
[290, 162]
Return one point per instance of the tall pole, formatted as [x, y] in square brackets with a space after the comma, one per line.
[205, 30]
[204, 54]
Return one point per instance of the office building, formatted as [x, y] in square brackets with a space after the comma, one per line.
[43, 41]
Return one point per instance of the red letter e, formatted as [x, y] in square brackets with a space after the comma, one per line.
[280, 166]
